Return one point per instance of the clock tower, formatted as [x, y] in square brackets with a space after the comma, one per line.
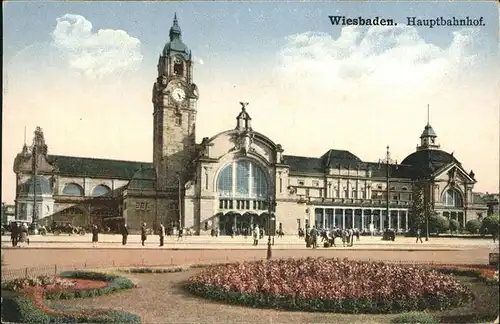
[174, 117]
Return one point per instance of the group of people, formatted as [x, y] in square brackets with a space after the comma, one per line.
[124, 231]
[19, 234]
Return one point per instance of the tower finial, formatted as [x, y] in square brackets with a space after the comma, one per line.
[175, 30]
[428, 114]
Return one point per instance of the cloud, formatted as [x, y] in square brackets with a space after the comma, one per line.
[95, 54]
[372, 61]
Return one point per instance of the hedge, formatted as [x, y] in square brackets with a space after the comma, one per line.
[296, 303]
[22, 308]
[153, 270]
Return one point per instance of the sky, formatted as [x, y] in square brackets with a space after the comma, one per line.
[84, 71]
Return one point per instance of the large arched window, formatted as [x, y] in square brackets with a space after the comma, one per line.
[72, 189]
[452, 198]
[242, 179]
[100, 190]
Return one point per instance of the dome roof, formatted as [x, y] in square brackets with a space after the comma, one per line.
[176, 45]
[428, 132]
[426, 162]
[423, 157]
[143, 179]
[42, 187]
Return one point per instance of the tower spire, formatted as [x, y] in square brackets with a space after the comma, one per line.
[24, 135]
[175, 30]
[428, 118]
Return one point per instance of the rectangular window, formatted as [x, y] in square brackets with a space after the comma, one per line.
[221, 204]
[281, 185]
[242, 178]
[307, 192]
[337, 193]
[137, 205]
[143, 206]
[395, 197]
[346, 193]
[148, 206]
[354, 194]
[363, 194]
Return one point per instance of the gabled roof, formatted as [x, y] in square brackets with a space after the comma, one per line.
[96, 168]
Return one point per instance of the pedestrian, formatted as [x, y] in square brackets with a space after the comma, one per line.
[95, 235]
[162, 234]
[314, 237]
[144, 233]
[23, 234]
[14, 229]
[124, 234]
[419, 236]
[256, 233]
[181, 230]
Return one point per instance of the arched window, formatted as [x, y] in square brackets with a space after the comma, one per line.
[242, 179]
[452, 198]
[72, 189]
[100, 190]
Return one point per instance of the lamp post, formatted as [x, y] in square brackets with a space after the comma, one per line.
[388, 162]
[34, 171]
[177, 175]
[270, 208]
[426, 210]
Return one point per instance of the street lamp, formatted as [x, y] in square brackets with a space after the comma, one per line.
[388, 162]
[270, 208]
[177, 175]
[34, 171]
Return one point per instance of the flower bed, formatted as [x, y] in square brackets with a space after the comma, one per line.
[27, 306]
[331, 285]
[486, 273]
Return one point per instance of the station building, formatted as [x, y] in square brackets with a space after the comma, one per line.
[233, 179]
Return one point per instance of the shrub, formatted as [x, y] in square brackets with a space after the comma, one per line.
[329, 285]
[473, 226]
[414, 318]
[438, 224]
[454, 225]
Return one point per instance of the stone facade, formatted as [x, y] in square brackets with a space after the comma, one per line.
[236, 178]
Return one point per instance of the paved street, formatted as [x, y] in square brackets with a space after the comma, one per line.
[54, 253]
[238, 242]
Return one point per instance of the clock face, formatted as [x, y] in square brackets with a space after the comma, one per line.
[178, 94]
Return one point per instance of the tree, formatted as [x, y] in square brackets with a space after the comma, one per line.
[419, 208]
[490, 224]
[473, 226]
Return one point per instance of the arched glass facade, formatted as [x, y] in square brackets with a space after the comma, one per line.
[452, 198]
[100, 190]
[242, 184]
[72, 189]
